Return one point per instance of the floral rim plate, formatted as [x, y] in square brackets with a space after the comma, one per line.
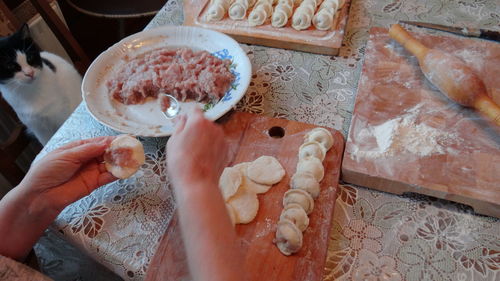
[146, 119]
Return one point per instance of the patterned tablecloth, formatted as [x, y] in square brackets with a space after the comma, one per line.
[375, 236]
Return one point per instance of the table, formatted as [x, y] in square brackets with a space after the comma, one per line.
[374, 234]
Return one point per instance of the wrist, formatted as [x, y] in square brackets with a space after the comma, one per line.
[34, 204]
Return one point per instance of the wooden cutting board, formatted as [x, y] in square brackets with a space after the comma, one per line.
[443, 150]
[249, 138]
[308, 40]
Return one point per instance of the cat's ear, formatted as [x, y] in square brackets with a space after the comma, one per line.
[24, 32]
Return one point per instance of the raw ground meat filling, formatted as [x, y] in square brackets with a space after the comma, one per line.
[181, 72]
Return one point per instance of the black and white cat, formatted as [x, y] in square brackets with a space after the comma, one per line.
[42, 87]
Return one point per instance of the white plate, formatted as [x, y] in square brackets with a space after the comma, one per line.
[146, 119]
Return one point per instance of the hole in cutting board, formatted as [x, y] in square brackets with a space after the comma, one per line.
[276, 132]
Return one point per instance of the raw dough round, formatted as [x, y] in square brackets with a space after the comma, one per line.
[296, 214]
[311, 165]
[229, 182]
[307, 182]
[322, 136]
[248, 183]
[245, 205]
[288, 237]
[312, 149]
[300, 197]
[266, 170]
[124, 156]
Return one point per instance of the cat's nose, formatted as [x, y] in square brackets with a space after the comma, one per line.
[29, 72]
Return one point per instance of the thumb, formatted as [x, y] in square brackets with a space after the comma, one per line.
[85, 152]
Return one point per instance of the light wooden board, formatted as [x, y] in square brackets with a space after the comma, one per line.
[390, 87]
[248, 137]
[310, 40]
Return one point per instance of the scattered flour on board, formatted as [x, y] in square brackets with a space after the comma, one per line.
[403, 135]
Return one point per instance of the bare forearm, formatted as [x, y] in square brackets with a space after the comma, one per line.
[210, 240]
[21, 224]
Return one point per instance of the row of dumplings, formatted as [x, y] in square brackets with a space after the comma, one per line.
[298, 202]
[303, 13]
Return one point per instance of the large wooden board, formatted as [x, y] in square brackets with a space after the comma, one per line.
[309, 40]
[248, 136]
[392, 86]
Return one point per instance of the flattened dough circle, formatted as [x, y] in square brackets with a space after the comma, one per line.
[248, 183]
[245, 205]
[229, 182]
[266, 170]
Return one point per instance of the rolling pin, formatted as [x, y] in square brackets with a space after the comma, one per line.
[450, 75]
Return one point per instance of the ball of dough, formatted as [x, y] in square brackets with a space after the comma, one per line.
[296, 214]
[300, 197]
[311, 165]
[124, 156]
[288, 237]
[245, 205]
[312, 149]
[266, 170]
[322, 136]
[307, 182]
[229, 182]
[248, 183]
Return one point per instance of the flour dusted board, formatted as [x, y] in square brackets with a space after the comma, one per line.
[406, 136]
[310, 40]
[248, 137]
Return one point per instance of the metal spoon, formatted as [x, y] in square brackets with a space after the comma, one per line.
[169, 105]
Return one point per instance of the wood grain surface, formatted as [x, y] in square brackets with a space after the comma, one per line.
[392, 86]
[248, 137]
[310, 40]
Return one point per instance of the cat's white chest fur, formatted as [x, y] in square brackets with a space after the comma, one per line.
[45, 101]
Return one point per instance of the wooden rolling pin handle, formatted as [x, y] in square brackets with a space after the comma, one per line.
[411, 44]
[486, 106]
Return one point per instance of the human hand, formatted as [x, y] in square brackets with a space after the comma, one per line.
[68, 173]
[197, 150]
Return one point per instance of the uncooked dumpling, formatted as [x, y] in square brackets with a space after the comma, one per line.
[321, 135]
[296, 214]
[229, 182]
[288, 237]
[245, 205]
[300, 197]
[248, 183]
[307, 182]
[312, 149]
[311, 165]
[124, 156]
[266, 170]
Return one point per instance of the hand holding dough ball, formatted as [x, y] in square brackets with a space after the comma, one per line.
[124, 156]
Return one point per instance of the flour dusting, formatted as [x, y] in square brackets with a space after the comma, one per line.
[403, 135]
